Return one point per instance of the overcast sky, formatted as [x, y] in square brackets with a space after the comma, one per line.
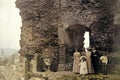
[10, 23]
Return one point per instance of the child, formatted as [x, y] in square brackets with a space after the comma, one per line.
[83, 65]
[104, 60]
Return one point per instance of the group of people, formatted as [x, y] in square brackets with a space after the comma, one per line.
[87, 62]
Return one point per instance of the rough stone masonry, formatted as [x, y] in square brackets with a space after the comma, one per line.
[45, 23]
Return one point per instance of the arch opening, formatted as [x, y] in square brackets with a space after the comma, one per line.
[76, 37]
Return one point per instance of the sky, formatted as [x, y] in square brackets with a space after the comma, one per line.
[10, 23]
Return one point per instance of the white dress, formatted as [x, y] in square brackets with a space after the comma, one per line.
[89, 62]
[83, 66]
[76, 67]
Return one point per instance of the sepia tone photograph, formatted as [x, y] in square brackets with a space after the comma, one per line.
[59, 39]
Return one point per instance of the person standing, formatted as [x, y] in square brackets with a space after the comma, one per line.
[54, 63]
[95, 60]
[89, 62]
[104, 61]
[83, 65]
[76, 61]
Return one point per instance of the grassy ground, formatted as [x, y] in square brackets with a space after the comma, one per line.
[113, 77]
[63, 75]
[90, 77]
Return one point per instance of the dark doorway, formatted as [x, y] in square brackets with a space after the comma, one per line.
[76, 36]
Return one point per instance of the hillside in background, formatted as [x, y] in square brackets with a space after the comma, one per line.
[7, 51]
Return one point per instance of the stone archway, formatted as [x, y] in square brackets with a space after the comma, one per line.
[76, 37]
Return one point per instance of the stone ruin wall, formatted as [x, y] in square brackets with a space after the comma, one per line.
[37, 17]
[44, 21]
[44, 24]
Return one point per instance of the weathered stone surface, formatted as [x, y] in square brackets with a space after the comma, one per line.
[40, 15]
[45, 23]
[37, 18]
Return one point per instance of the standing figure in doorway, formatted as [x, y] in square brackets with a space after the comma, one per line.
[89, 61]
[41, 64]
[76, 61]
[95, 60]
[83, 65]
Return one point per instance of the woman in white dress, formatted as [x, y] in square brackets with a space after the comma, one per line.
[76, 61]
[83, 65]
[89, 61]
